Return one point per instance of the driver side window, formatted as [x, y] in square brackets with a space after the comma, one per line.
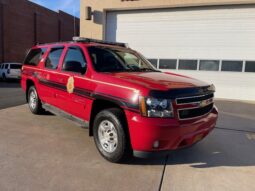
[75, 61]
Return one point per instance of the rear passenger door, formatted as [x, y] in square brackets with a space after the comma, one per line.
[73, 69]
[49, 84]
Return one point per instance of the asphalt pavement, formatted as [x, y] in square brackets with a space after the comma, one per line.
[46, 152]
[11, 94]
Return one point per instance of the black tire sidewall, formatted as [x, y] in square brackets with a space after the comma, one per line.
[118, 154]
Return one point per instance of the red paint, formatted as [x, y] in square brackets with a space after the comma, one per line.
[172, 133]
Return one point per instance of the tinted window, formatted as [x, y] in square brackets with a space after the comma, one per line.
[2, 66]
[107, 59]
[209, 65]
[34, 56]
[250, 66]
[75, 61]
[53, 58]
[6, 66]
[167, 64]
[234, 66]
[16, 66]
[188, 64]
[154, 62]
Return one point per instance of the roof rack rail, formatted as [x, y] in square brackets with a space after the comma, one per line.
[90, 40]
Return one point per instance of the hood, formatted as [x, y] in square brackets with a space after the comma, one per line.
[159, 80]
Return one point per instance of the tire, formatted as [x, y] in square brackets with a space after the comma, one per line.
[111, 135]
[34, 101]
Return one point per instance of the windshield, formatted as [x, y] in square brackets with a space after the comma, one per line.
[107, 59]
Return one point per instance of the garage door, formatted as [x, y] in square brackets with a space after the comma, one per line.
[213, 44]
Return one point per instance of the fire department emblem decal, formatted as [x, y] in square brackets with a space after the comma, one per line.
[70, 85]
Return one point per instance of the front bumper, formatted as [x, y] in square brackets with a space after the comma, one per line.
[171, 134]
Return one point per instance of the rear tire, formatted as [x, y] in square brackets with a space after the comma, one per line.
[34, 101]
[111, 135]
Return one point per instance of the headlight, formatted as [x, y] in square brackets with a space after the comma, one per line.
[152, 107]
[212, 88]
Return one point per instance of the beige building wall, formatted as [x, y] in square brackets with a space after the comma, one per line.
[95, 27]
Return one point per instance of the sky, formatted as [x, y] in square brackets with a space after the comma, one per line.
[70, 6]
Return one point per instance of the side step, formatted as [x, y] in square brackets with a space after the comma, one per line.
[59, 112]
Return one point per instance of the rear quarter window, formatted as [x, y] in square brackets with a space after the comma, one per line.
[34, 56]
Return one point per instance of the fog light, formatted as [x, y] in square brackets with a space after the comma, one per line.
[156, 144]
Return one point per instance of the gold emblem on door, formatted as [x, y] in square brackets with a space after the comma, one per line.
[70, 85]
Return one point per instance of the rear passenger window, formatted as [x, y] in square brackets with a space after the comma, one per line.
[53, 58]
[34, 56]
[6, 66]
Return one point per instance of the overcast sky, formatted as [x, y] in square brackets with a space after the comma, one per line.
[70, 6]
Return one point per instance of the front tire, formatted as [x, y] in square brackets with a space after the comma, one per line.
[34, 101]
[111, 135]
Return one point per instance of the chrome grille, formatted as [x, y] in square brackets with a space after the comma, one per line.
[193, 99]
[195, 106]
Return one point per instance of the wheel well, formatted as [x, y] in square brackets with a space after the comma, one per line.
[29, 83]
[99, 105]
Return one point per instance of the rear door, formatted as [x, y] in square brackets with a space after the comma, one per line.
[48, 79]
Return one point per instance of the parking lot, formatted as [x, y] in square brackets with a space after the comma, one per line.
[50, 153]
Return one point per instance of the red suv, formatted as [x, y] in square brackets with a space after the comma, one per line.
[128, 105]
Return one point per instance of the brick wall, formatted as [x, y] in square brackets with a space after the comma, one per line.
[24, 23]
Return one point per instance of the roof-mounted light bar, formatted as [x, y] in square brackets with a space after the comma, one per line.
[90, 40]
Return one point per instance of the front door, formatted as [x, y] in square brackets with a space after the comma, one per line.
[73, 69]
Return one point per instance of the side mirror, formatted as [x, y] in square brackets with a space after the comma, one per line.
[73, 66]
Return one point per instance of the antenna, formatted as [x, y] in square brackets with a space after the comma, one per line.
[74, 21]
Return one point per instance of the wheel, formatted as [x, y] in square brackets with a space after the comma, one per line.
[111, 135]
[34, 101]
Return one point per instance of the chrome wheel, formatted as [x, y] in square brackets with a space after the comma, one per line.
[107, 135]
[33, 100]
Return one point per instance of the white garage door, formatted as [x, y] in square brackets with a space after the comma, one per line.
[213, 44]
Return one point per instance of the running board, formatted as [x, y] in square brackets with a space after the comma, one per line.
[59, 112]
